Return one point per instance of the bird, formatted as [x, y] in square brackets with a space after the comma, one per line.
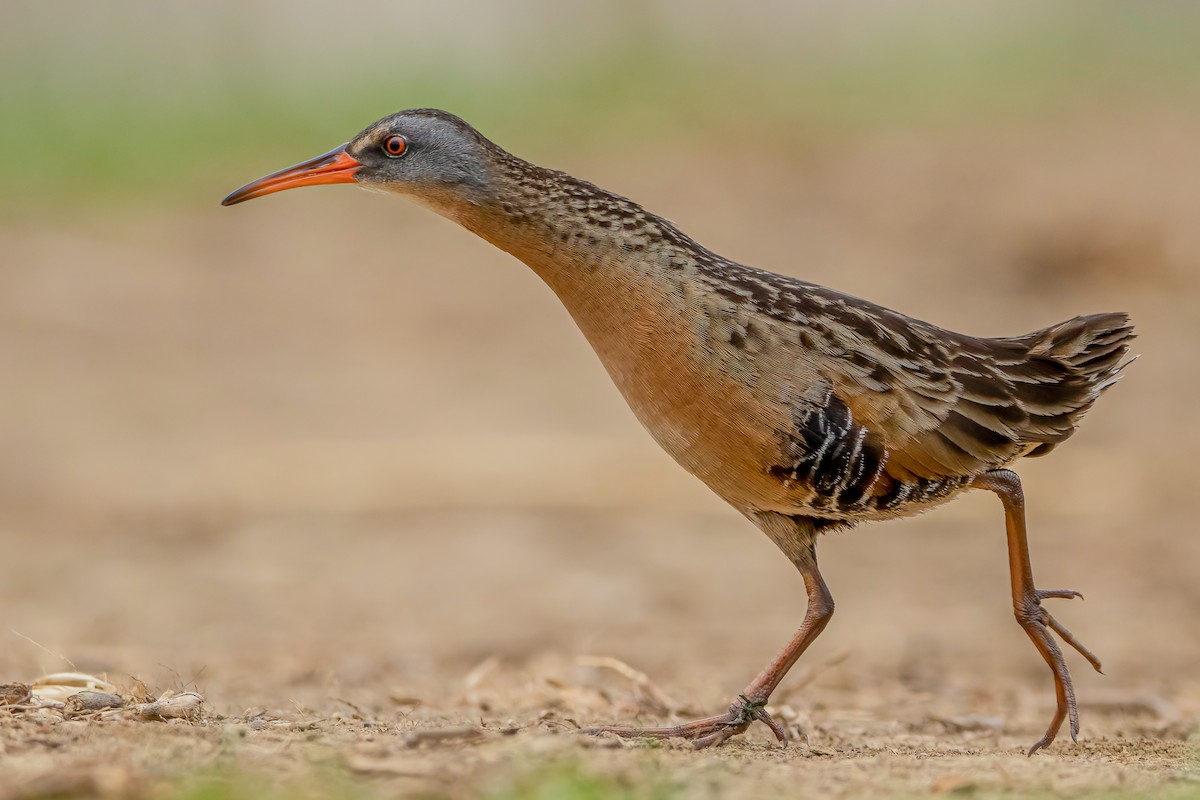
[806, 409]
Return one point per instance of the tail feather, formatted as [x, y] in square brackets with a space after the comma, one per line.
[1117, 374]
[1093, 347]
[1066, 368]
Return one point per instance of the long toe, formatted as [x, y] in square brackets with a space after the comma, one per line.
[688, 730]
[1070, 639]
[707, 732]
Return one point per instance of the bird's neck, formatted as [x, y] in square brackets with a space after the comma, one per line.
[576, 236]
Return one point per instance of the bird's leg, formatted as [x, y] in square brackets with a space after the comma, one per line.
[1027, 603]
[796, 539]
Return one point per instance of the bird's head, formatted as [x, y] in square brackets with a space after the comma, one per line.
[429, 155]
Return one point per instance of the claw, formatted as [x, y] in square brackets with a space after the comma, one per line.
[776, 728]
[1039, 744]
[1062, 594]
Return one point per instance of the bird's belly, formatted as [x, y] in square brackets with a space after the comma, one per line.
[714, 430]
[712, 424]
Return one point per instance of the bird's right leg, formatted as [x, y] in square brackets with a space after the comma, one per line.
[797, 538]
[1027, 603]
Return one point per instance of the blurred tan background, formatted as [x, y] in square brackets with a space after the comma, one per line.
[327, 437]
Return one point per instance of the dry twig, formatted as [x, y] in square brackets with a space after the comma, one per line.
[649, 689]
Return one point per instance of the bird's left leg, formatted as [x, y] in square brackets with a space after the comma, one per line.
[1027, 603]
[797, 538]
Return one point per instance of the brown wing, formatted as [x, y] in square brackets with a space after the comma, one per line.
[956, 420]
[950, 406]
[896, 409]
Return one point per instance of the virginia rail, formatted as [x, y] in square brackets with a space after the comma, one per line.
[806, 409]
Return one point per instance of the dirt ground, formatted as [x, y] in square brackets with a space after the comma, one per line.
[353, 476]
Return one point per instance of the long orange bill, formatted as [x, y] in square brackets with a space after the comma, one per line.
[336, 166]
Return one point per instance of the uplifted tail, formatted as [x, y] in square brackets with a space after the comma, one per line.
[1066, 367]
[1094, 348]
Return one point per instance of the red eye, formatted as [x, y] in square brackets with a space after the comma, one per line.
[395, 146]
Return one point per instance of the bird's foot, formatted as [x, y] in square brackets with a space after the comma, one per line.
[707, 732]
[1038, 622]
[1047, 619]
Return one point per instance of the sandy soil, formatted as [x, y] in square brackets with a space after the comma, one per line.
[353, 476]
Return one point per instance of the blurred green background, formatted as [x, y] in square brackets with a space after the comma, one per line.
[115, 98]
